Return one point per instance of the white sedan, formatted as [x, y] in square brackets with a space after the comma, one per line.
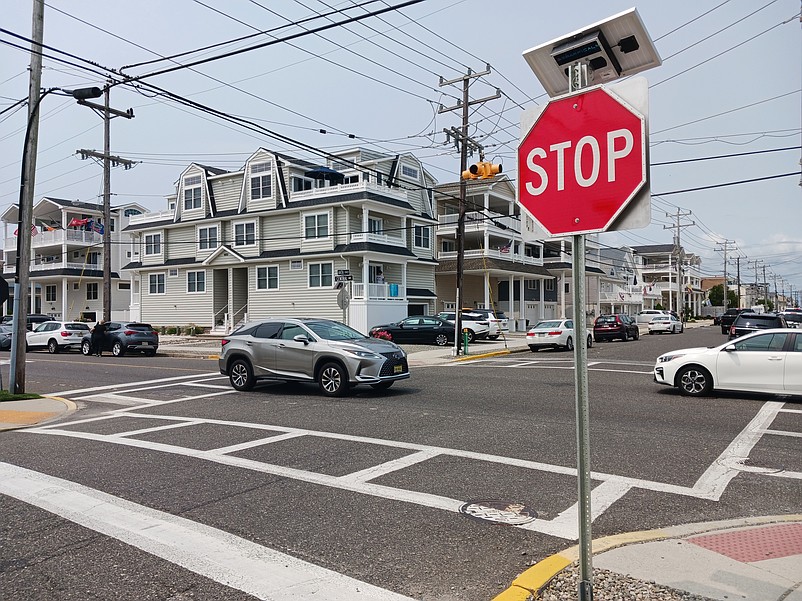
[666, 323]
[765, 361]
[553, 333]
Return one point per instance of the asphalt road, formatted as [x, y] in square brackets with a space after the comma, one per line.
[374, 487]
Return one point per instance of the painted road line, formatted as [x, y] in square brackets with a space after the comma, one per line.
[114, 386]
[230, 560]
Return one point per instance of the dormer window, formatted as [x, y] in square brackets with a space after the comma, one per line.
[409, 172]
[192, 192]
[261, 181]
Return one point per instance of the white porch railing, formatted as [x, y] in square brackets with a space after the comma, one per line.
[388, 239]
[494, 254]
[389, 292]
[150, 217]
[56, 238]
[475, 220]
[345, 188]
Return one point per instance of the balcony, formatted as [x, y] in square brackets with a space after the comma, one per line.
[349, 189]
[150, 217]
[478, 253]
[46, 266]
[476, 221]
[388, 239]
[630, 295]
[57, 238]
[386, 292]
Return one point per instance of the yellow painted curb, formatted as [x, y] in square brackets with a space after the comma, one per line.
[24, 418]
[534, 579]
[483, 355]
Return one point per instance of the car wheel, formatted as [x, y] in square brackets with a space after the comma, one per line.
[117, 349]
[569, 344]
[441, 340]
[333, 380]
[240, 374]
[471, 337]
[533, 348]
[86, 348]
[149, 353]
[682, 329]
[590, 341]
[493, 337]
[52, 346]
[724, 330]
[636, 335]
[694, 381]
[382, 385]
[626, 336]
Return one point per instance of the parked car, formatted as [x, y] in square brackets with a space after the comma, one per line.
[328, 352]
[6, 331]
[33, 319]
[647, 315]
[616, 325]
[763, 361]
[727, 318]
[747, 322]
[426, 329]
[553, 333]
[477, 324]
[792, 318]
[122, 337]
[666, 323]
[498, 323]
[57, 336]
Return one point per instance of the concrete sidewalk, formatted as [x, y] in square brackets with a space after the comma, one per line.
[749, 559]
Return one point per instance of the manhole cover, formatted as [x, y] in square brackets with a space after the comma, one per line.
[500, 512]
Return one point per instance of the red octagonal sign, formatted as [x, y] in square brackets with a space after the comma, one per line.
[582, 161]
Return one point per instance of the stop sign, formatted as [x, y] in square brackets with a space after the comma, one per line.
[581, 162]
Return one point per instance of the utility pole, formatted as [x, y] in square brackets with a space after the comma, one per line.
[765, 287]
[680, 255]
[725, 247]
[463, 140]
[108, 160]
[757, 287]
[21, 288]
[738, 268]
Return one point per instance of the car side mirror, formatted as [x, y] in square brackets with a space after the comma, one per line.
[400, 324]
[301, 338]
[729, 348]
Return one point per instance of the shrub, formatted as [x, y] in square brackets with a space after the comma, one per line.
[171, 330]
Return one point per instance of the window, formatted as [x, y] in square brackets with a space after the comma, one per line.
[351, 179]
[316, 226]
[261, 185]
[296, 265]
[123, 285]
[196, 281]
[375, 225]
[245, 234]
[131, 211]
[408, 171]
[111, 224]
[207, 237]
[192, 192]
[550, 285]
[92, 258]
[91, 292]
[301, 184]
[156, 283]
[50, 294]
[267, 278]
[172, 273]
[448, 246]
[532, 285]
[153, 244]
[320, 275]
[291, 330]
[764, 342]
[421, 239]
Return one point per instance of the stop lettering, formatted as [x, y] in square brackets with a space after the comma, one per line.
[581, 163]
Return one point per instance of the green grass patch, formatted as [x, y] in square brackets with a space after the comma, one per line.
[5, 395]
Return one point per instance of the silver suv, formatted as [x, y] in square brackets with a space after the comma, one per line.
[328, 352]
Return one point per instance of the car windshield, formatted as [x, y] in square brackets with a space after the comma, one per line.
[663, 318]
[140, 327]
[547, 325]
[332, 330]
[76, 326]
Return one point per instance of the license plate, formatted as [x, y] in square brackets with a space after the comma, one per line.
[398, 369]
[145, 343]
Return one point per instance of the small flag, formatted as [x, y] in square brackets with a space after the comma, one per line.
[34, 231]
[506, 248]
[75, 222]
[97, 227]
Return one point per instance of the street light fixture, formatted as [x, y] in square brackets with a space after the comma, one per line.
[19, 325]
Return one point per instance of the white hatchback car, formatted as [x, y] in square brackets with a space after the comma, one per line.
[666, 323]
[553, 333]
[57, 335]
[764, 361]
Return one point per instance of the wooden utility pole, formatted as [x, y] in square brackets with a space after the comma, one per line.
[464, 141]
[680, 256]
[23, 268]
[726, 246]
[108, 161]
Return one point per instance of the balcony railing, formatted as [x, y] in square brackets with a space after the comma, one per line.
[478, 253]
[348, 188]
[388, 292]
[388, 239]
[57, 238]
[150, 217]
[479, 221]
[44, 266]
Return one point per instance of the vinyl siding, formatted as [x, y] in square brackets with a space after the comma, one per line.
[179, 243]
[294, 297]
[175, 307]
[227, 192]
[420, 276]
[280, 232]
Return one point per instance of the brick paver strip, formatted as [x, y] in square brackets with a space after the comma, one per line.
[755, 544]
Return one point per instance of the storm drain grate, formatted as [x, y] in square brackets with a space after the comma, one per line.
[500, 512]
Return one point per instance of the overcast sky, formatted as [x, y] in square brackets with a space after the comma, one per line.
[729, 84]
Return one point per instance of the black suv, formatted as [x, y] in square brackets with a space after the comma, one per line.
[748, 322]
[617, 325]
[727, 318]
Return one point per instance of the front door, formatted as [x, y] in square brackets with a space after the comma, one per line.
[757, 363]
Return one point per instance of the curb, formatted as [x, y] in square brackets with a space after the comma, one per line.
[530, 583]
[70, 407]
[507, 351]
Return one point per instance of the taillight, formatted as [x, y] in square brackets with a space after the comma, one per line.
[732, 330]
[224, 342]
[65, 334]
[130, 332]
[555, 333]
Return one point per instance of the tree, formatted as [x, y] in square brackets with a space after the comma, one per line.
[716, 296]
